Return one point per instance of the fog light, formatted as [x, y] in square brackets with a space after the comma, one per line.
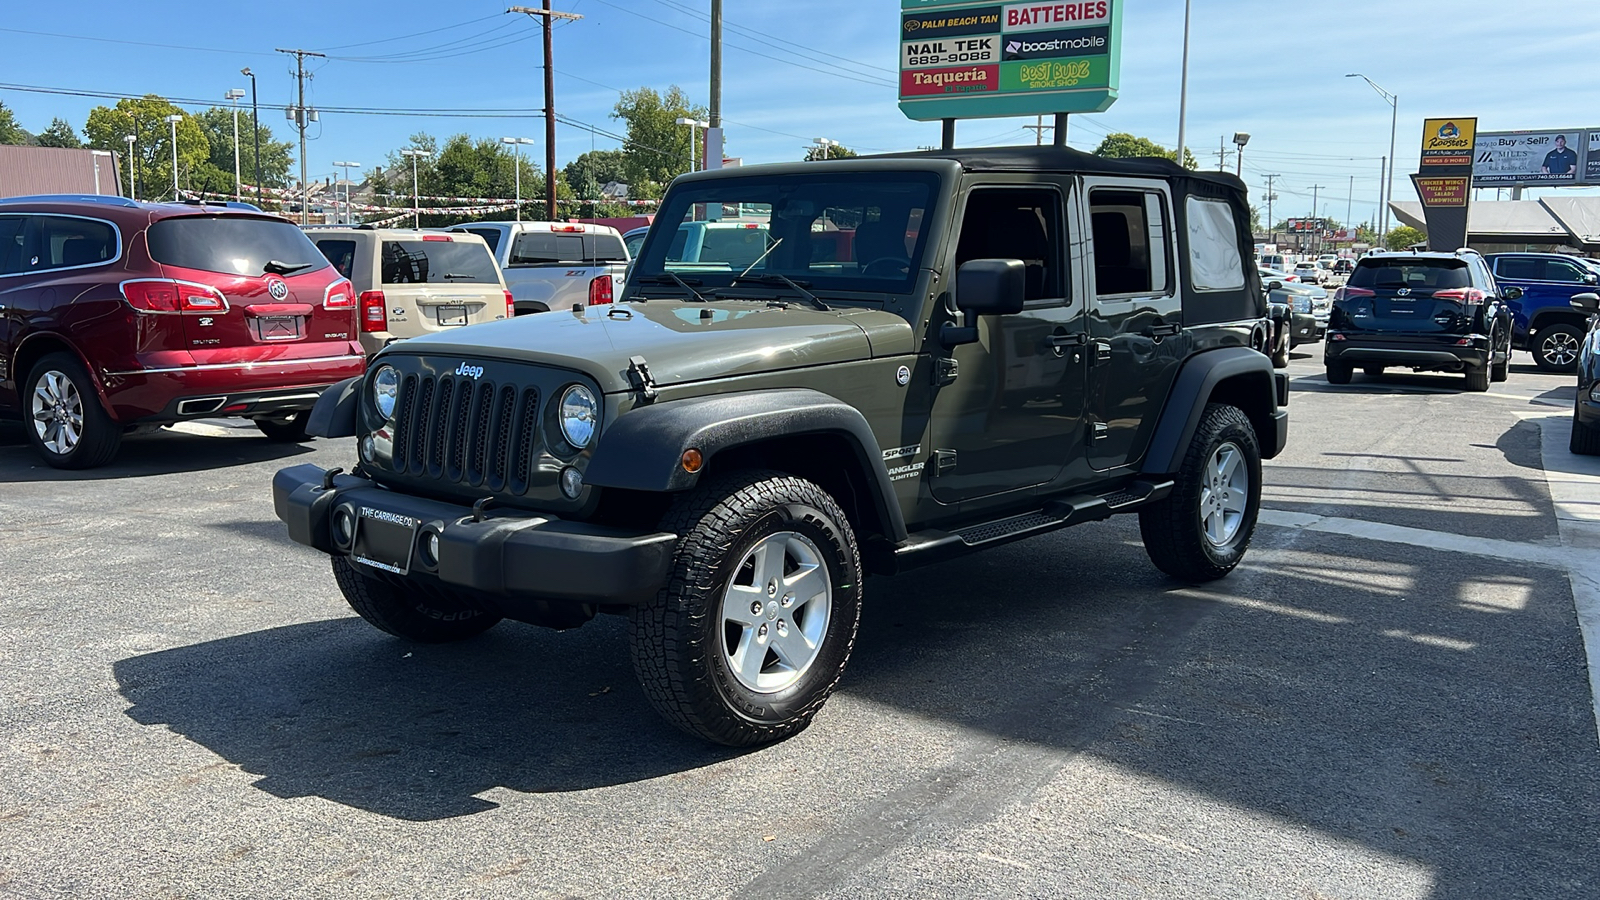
[430, 549]
[571, 482]
[344, 526]
[369, 448]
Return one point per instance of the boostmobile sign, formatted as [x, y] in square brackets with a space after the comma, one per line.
[964, 60]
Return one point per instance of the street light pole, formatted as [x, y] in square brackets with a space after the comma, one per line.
[233, 96]
[173, 120]
[1386, 196]
[1240, 138]
[517, 142]
[416, 198]
[133, 192]
[255, 125]
[694, 158]
[349, 213]
[824, 143]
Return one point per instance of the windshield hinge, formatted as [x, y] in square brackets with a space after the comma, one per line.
[639, 377]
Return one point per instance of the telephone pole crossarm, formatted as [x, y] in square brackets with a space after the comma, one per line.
[546, 16]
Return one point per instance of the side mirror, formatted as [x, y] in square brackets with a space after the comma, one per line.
[1512, 293]
[985, 287]
[1274, 286]
[1588, 302]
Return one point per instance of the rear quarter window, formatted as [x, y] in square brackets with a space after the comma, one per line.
[1214, 261]
[342, 253]
[68, 242]
[236, 245]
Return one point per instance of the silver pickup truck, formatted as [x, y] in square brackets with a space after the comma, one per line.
[555, 265]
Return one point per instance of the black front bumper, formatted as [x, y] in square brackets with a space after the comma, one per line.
[504, 559]
[1441, 352]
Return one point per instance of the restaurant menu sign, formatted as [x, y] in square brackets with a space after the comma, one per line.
[1444, 179]
[960, 60]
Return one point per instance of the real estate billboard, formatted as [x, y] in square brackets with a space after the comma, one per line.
[1559, 157]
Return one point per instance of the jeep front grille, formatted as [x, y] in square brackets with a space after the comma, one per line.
[475, 434]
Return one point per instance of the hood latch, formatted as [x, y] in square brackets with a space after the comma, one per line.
[639, 377]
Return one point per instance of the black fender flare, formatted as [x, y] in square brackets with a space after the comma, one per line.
[643, 449]
[1564, 315]
[336, 412]
[1186, 403]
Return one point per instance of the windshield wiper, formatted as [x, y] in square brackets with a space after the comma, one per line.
[283, 268]
[771, 278]
[669, 278]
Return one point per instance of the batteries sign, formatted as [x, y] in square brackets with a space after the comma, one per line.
[963, 60]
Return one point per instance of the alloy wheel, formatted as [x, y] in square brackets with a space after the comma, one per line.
[775, 612]
[57, 412]
[1559, 349]
[1224, 494]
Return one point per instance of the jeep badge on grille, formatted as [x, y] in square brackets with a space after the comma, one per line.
[469, 371]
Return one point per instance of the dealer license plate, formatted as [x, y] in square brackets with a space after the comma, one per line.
[384, 540]
[452, 315]
[279, 328]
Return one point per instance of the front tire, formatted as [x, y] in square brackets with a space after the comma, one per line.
[1202, 529]
[288, 429]
[1555, 348]
[756, 623]
[1585, 438]
[67, 424]
[407, 610]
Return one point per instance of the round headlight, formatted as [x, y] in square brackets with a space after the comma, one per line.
[579, 413]
[385, 390]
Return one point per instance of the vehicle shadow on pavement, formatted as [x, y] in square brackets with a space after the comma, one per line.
[338, 710]
[161, 453]
[1431, 706]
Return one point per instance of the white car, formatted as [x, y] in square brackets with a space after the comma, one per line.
[1309, 272]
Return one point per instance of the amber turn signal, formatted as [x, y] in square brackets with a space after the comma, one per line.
[692, 460]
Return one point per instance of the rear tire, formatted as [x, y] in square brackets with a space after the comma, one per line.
[1478, 379]
[1555, 348]
[740, 663]
[66, 424]
[405, 610]
[290, 429]
[1202, 529]
[1585, 438]
[1339, 373]
[1499, 357]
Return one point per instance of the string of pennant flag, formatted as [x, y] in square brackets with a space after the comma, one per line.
[499, 202]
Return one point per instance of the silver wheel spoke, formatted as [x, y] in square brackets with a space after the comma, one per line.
[807, 584]
[1233, 501]
[784, 608]
[748, 658]
[1224, 494]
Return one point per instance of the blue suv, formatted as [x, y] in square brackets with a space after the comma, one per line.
[1544, 322]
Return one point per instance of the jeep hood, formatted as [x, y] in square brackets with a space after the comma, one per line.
[680, 341]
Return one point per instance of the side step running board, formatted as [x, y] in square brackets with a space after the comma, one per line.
[924, 547]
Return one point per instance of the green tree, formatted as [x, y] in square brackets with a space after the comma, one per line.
[146, 119]
[10, 131]
[463, 167]
[658, 148]
[838, 152]
[1404, 236]
[597, 167]
[215, 175]
[1121, 145]
[60, 134]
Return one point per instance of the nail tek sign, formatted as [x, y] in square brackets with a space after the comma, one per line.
[963, 60]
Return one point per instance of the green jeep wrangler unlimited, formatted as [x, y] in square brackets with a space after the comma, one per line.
[918, 356]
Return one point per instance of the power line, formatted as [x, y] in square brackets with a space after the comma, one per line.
[431, 31]
[440, 113]
[783, 44]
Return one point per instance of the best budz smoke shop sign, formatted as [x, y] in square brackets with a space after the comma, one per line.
[965, 61]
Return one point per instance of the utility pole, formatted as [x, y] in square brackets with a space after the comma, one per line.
[1183, 84]
[1350, 203]
[546, 15]
[1272, 224]
[715, 112]
[301, 114]
[1315, 230]
[1039, 128]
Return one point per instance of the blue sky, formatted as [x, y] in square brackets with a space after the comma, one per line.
[798, 70]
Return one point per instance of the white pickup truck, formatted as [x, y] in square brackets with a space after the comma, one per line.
[555, 265]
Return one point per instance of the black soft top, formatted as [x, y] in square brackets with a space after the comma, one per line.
[1066, 159]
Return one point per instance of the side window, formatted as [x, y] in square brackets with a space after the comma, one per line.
[1520, 268]
[491, 236]
[1017, 223]
[342, 253]
[12, 229]
[1563, 272]
[542, 248]
[1214, 263]
[64, 242]
[1131, 237]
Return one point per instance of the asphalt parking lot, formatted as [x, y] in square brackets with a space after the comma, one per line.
[1390, 699]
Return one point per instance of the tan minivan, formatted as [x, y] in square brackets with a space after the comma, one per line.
[410, 283]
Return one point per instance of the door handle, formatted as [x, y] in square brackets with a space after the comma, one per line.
[1163, 330]
[1060, 340]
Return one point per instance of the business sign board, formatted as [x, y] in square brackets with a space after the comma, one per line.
[1444, 179]
[1307, 226]
[1447, 142]
[1570, 156]
[1447, 190]
[961, 60]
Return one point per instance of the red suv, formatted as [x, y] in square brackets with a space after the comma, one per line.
[116, 314]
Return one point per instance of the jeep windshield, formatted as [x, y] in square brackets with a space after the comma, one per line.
[828, 232]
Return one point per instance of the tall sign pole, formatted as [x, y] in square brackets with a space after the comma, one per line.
[546, 14]
[1444, 179]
